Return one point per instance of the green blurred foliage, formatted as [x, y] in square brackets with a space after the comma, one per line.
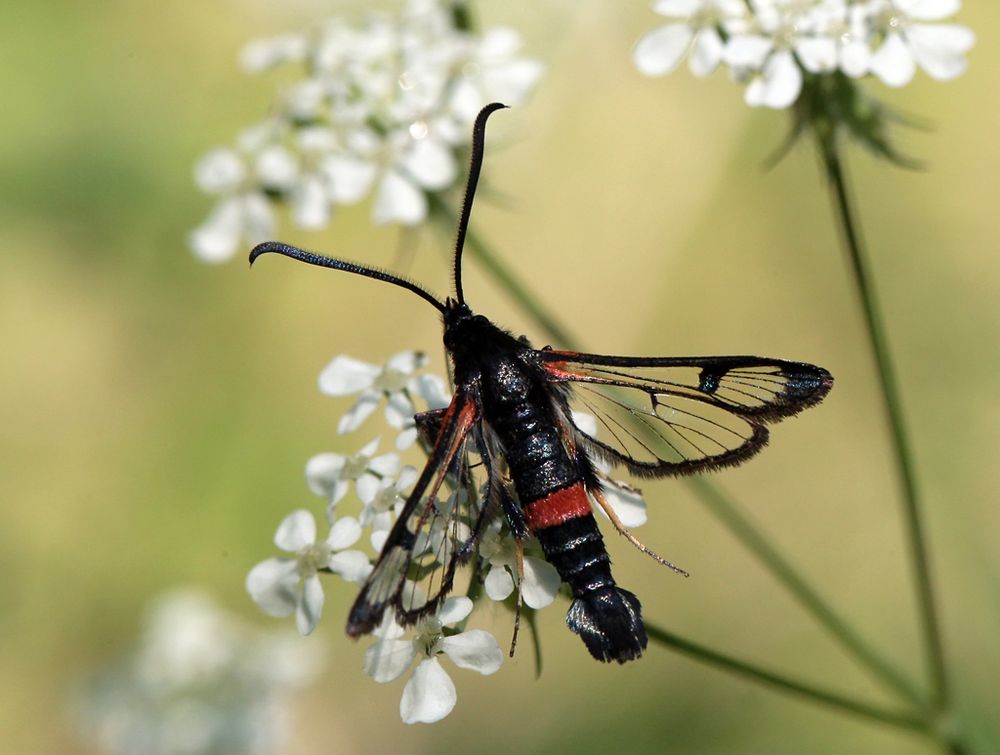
[157, 414]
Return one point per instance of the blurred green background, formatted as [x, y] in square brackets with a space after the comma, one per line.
[157, 413]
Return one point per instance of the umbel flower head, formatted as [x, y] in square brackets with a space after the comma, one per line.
[771, 46]
[382, 109]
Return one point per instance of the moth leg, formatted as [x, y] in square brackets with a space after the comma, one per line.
[520, 599]
[598, 493]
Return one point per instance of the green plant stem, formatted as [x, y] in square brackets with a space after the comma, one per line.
[726, 511]
[716, 501]
[903, 456]
[902, 719]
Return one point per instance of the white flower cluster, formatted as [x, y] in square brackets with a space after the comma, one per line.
[201, 682]
[770, 45]
[383, 109]
[290, 584]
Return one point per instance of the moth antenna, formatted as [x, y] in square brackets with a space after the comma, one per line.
[475, 168]
[320, 260]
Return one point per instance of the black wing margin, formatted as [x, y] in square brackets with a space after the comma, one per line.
[435, 532]
[660, 416]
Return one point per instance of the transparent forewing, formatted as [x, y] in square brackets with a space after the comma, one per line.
[661, 416]
[436, 531]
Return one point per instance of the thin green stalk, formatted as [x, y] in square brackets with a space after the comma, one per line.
[903, 456]
[726, 511]
[902, 719]
[717, 503]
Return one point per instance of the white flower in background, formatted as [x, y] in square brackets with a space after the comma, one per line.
[330, 475]
[697, 27]
[242, 178]
[771, 45]
[282, 586]
[201, 682]
[383, 109]
[908, 41]
[429, 694]
[540, 582]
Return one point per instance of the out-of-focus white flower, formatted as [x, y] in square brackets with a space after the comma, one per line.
[771, 45]
[429, 694]
[697, 28]
[201, 681]
[382, 109]
[908, 41]
[281, 586]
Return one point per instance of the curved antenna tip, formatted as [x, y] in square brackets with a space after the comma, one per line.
[264, 248]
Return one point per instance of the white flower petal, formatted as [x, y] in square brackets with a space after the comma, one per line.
[893, 62]
[216, 239]
[406, 438]
[378, 538]
[499, 584]
[399, 201]
[512, 82]
[658, 52]
[431, 164]
[353, 566]
[346, 375]
[407, 477]
[296, 531]
[541, 582]
[454, 610]
[747, 50]
[311, 606]
[323, 473]
[399, 411]
[344, 533]
[586, 423]
[276, 168]
[627, 504]
[310, 205]
[261, 54]
[706, 53]
[929, 10]
[475, 649]
[386, 465]
[855, 58]
[431, 389]
[219, 171]
[388, 659]
[780, 83]
[367, 488]
[817, 54]
[429, 695]
[349, 178]
[940, 48]
[677, 8]
[362, 410]
[273, 585]
[407, 361]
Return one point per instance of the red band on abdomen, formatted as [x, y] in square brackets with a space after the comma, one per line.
[556, 508]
